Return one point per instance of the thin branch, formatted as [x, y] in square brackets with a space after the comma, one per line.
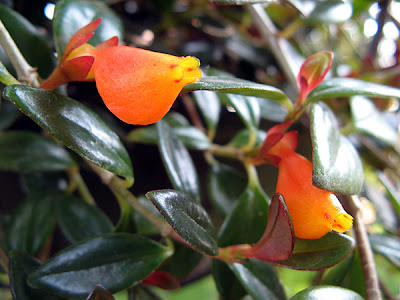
[24, 71]
[365, 251]
[275, 43]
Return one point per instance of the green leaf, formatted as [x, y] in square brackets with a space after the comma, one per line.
[37, 182]
[79, 220]
[336, 164]
[116, 261]
[177, 161]
[25, 35]
[75, 125]
[239, 86]
[242, 138]
[366, 118]
[27, 151]
[247, 108]
[328, 12]
[248, 220]
[324, 292]
[272, 111]
[100, 293]
[388, 246]
[21, 265]
[6, 77]
[319, 254]
[347, 87]
[392, 191]
[259, 279]
[227, 283]
[72, 15]
[225, 185]
[190, 220]
[210, 108]
[31, 224]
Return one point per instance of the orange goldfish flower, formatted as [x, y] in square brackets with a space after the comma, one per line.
[314, 211]
[138, 86]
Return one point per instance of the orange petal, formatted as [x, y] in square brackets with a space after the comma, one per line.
[108, 43]
[314, 212]
[140, 86]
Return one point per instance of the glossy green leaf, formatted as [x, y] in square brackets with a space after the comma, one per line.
[227, 283]
[72, 15]
[79, 220]
[100, 293]
[6, 77]
[388, 246]
[259, 279]
[239, 2]
[190, 220]
[272, 111]
[142, 225]
[75, 125]
[367, 119]
[225, 185]
[115, 261]
[210, 108]
[37, 182]
[323, 292]
[9, 113]
[319, 254]
[25, 35]
[347, 87]
[248, 220]
[242, 138]
[336, 164]
[191, 137]
[177, 161]
[21, 265]
[393, 192]
[239, 86]
[328, 12]
[31, 224]
[28, 151]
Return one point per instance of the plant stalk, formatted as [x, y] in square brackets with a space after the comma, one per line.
[25, 72]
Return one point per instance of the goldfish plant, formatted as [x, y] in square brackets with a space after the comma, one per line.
[223, 149]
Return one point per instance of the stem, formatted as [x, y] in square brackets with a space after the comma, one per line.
[4, 261]
[252, 174]
[276, 44]
[24, 71]
[365, 251]
[77, 179]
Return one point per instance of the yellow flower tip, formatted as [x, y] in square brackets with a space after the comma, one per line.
[186, 71]
[83, 50]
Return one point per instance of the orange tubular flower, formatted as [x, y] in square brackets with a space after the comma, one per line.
[138, 86]
[314, 211]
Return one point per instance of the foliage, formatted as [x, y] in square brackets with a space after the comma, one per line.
[94, 208]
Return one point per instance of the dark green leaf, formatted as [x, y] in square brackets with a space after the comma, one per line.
[388, 246]
[272, 111]
[242, 138]
[210, 108]
[37, 182]
[248, 220]
[225, 185]
[227, 283]
[116, 261]
[393, 192]
[319, 254]
[31, 224]
[247, 108]
[190, 220]
[142, 225]
[79, 220]
[238, 86]
[332, 11]
[100, 293]
[347, 87]
[5, 76]
[336, 164]
[177, 161]
[72, 15]
[369, 120]
[25, 36]
[259, 279]
[74, 125]
[21, 265]
[27, 151]
[323, 292]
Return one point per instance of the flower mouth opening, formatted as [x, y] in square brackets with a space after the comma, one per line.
[186, 71]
